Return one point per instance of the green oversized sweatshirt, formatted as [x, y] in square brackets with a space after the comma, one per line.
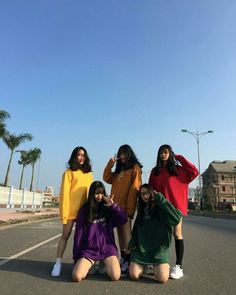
[151, 239]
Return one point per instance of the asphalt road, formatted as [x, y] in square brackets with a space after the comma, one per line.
[27, 253]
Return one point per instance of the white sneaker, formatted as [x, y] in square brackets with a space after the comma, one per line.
[56, 271]
[176, 272]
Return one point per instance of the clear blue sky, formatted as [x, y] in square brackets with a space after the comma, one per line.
[104, 73]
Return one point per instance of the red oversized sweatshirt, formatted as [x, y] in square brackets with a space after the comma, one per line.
[175, 187]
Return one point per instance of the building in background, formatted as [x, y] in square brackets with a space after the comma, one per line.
[219, 184]
[49, 196]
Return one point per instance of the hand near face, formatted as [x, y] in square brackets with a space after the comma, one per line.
[108, 200]
[114, 159]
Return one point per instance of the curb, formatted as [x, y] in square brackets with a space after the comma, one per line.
[28, 219]
[213, 214]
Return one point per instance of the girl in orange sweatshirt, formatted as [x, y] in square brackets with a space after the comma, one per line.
[125, 181]
[75, 184]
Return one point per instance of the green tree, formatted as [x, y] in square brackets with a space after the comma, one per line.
[13, 141]
[24, 161]
[3, 116]
[34, 156]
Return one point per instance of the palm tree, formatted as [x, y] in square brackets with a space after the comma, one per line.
[3, 115]
[24, 161]
[34, 156]
[13, 141]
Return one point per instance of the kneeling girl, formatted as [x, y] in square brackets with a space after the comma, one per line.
[151, 234]
[94, 238]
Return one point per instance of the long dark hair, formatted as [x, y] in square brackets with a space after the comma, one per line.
[93, 208]
[73, 163]
[172, 164]
[150, 205]
[131, 159]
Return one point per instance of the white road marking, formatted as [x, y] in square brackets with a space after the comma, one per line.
[27, 250]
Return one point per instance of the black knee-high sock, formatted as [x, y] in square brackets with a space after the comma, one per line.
[179, 250]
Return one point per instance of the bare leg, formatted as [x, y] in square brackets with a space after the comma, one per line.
[161, 273]
[81, 269]
[135, 271]
[120, 238]
[113, 267]
[124, 234]
[178, 231]
[66, 232]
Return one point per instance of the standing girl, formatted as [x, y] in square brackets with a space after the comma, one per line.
[125, 181]
[151, 234]
[172, 180]
[75, 184]
[94, 236]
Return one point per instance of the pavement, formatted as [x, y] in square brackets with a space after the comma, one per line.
[12, 216]
[28, 250]
[214, 214]
[18, 215]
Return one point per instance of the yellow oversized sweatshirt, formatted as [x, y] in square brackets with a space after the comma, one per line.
[125, 186]
[74, 192]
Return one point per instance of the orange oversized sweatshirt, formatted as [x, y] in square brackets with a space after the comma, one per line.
[74, 192]
[125, 186]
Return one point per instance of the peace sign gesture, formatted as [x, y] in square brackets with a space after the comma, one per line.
[114, 159]
[109, 200]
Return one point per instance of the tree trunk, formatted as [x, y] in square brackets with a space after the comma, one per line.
[8, 170]
[21, 177]
[32, 179]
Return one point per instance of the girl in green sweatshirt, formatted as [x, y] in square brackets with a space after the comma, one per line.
[151, 234]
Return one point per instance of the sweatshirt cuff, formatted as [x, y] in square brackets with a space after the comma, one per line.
[110, 163]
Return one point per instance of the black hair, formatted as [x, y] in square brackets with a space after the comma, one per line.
[131, 159]
[73, 163]
[172, 164]
[150, 205]
[93, 208]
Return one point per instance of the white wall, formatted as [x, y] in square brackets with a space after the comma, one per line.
[11, 197]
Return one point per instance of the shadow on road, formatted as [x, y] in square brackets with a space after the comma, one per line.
[42, 270]
[39, 269]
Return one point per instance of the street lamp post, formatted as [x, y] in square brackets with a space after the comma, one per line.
[197, 136]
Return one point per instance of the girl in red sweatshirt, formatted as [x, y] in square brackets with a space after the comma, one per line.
[172, 180]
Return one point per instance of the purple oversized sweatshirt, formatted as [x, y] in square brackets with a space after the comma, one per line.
[96, 241]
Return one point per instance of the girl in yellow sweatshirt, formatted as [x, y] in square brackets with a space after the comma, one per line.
[125, 181]
[75, 185]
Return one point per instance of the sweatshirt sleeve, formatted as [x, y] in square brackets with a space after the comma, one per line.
[65, 196]
[191, 170]
[79, 233]
[107, 174]
[133, 193]
[173, 215]
[119, 217]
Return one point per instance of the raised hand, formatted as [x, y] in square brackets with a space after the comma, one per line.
[109, 200]
[114, 159]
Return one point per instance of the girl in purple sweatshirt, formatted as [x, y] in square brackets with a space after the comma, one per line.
[94, 238]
